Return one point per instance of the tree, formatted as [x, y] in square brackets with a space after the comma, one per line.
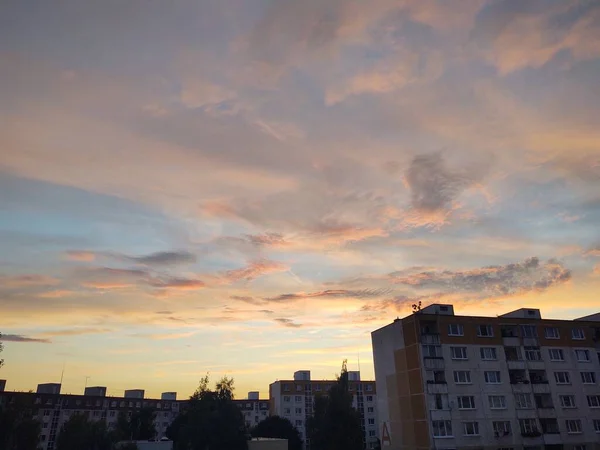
[211, 421]
[335, 424]
[19, 430]
[79, 433]
[279, 427]
[138, 427]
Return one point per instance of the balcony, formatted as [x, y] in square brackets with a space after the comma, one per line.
[538, 377]
[437, 388]
[531, 434]
[430, 339]
[436, 363]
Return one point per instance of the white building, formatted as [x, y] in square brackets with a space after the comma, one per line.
[294, 400]
[516, 381]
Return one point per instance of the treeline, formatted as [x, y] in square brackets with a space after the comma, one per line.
[209, 421]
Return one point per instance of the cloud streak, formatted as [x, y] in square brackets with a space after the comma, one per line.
[22, 339]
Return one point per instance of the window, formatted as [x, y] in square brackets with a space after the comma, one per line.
[549, 426]
[286, 388]
[371, 433]
[588, 377]
[45, 425]
[455, 329]
[573, 426]
[459, 352]
[528, 426]
[441, 428]
[46, 412]
[286, 398]
[466, 402]
[597, 425]
[298, 423]
[488, 353]
[369, 388]
[567, 401]
[551, 333]
[492, 377]
[533, 354]
[111, 414]
[577, 334]
[497, 401]
[582, 355]
[556, 354]
[298, 388]
[502, 428]
[370, 409]
[369, 398]
[318, 388]
[528, 331]
[593, 401]
[471, 428]
[523, 401]
[462, 377]
[298, 410]
[287, 411]
[298, 398]
[371, 421]
[562, 377]
[485, 331]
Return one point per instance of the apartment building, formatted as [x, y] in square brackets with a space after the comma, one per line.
[515, 381]
[54, 409]
[294, 400]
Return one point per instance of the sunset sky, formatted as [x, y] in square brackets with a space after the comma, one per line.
[249, 188]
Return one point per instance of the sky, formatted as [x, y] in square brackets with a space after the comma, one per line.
[249, 188]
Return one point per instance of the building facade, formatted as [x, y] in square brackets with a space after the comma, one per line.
[515, 381]
[53, 409]
[294, 400]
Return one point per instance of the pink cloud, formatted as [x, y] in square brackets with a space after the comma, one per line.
[19, 281]
[255, 269]
[80, 255]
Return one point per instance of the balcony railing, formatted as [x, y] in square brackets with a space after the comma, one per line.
[534, 433]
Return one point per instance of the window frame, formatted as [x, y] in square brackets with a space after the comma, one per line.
[533, 334]
[496, 397]
[571, 404]
[492, 350]
[461, 405]
[559, 352]
[569, 422]
[592, 377]
[475, 427]
[555, 335]
[496, 372]
[585, 352]
[447, 428]
[566, 375]
[597, 401]
[460, 329]
[506, 430]
[467, 377]
[579, 336]
[596, 425]
[489, 330]
[463, 351]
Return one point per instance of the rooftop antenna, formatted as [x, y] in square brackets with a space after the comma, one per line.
[62, 374]
[87, 377]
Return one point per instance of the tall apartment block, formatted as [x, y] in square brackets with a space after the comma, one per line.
[294, 400]
[514, 381]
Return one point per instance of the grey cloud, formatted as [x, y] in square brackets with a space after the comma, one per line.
[330, 293]
[165, 258]
[20, 338]
[433, 185]
[514, 278]
[287, 322]
[76, 331]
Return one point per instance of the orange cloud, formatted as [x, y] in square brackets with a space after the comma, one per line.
[19, 281]
[56, 294]
[254, 270]
[80, 255]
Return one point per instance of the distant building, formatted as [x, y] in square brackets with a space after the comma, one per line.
[267, 444]
[134, 393]
[515, 381]
[253, 409]
[294, 400]
[95, 391]
[48, 388]
[53, 410]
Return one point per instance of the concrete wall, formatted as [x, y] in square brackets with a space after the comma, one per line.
[267, 444]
